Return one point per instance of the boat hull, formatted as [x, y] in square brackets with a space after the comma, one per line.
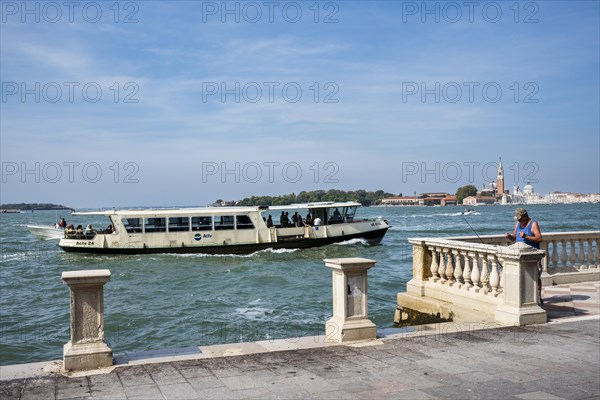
[373, 237]
[45, 232]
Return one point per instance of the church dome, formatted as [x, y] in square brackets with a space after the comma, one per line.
[528, 189]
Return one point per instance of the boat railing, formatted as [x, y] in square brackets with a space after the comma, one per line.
[81, 236]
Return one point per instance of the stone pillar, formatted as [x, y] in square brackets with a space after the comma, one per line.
[350, 316]
[421, 269]
[86, 348]
[520, 268]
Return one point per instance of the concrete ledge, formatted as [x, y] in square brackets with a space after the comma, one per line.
[566, 278]
[446, 310]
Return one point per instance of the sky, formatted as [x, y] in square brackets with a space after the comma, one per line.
[135, 103]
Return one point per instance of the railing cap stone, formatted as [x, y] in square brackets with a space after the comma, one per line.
[86, 276]
[350, 263]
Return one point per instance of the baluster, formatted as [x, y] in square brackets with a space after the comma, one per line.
[485, 274]
[450, 268]
[589, 257]
[572, 254]
[501, 284]
[467, 271]
[563, 253]
[459, 268]
[434, 264]
[590, 254]
[597, 257]
[554, 254]
[545, 260]
[581, 257]
[442, 267]
[475, 272]
[494, 277]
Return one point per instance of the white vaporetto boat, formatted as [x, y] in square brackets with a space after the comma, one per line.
[224, 230]
[46, 232]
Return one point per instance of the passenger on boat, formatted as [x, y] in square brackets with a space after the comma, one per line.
[109, 229]
[317, 221]
[269, 221]
[79, 231]
[283, 220]
[62, 223]
[89, 230]
[299, 222]
[70, 230]
[309, 220]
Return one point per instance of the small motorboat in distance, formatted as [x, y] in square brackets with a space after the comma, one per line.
[226, 230]
[46, 232]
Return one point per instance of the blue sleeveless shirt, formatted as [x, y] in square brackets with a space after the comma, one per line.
[527, 231]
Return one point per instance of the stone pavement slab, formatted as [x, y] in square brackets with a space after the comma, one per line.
[557, 360]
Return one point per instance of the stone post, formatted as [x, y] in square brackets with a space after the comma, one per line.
[520, 304]
[86, 348]
[421, 268]
[350, 316]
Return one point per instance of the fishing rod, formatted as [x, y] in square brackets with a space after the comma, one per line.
[541, 302]
[475, 232]
[478, 237]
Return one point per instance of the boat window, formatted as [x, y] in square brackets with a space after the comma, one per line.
[155, 225]
[224, 222]
[349, 214]
[243, 222]
[202, 223]
[334, 215]
[132, 225]
[179, 224]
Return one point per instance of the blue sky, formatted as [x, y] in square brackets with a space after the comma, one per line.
[181, 103]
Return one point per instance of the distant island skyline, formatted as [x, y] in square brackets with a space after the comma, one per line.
[366, 198]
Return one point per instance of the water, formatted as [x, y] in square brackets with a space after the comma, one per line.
[172, 301]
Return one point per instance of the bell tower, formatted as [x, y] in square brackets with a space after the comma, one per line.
[500, 191]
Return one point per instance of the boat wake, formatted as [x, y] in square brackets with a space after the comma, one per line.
[353, 242]
[255, 254]
[253, 312]
[456, 214]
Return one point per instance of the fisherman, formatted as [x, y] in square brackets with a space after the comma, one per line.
[527, 231]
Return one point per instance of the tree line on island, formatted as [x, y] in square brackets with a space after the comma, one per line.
[34, 206]
[366, 198]
[363, 197]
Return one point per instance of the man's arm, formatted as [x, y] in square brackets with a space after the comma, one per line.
[537, 235]
[512, 236]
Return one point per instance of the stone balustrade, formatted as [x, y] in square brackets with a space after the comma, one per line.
[570, 257]
[487, 275]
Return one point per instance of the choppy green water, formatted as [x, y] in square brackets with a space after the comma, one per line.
[170, 301]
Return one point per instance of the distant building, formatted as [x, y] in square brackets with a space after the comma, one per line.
[567, 198]
[402, 201]
[496, 188]
[424, 199]
[478, 200]
[527, 196]
[449, 200]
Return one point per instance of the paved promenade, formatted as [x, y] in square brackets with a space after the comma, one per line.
[558, 360]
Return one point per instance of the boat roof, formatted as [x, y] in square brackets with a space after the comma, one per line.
[322, 204]
[172, 211]
[216, 210]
